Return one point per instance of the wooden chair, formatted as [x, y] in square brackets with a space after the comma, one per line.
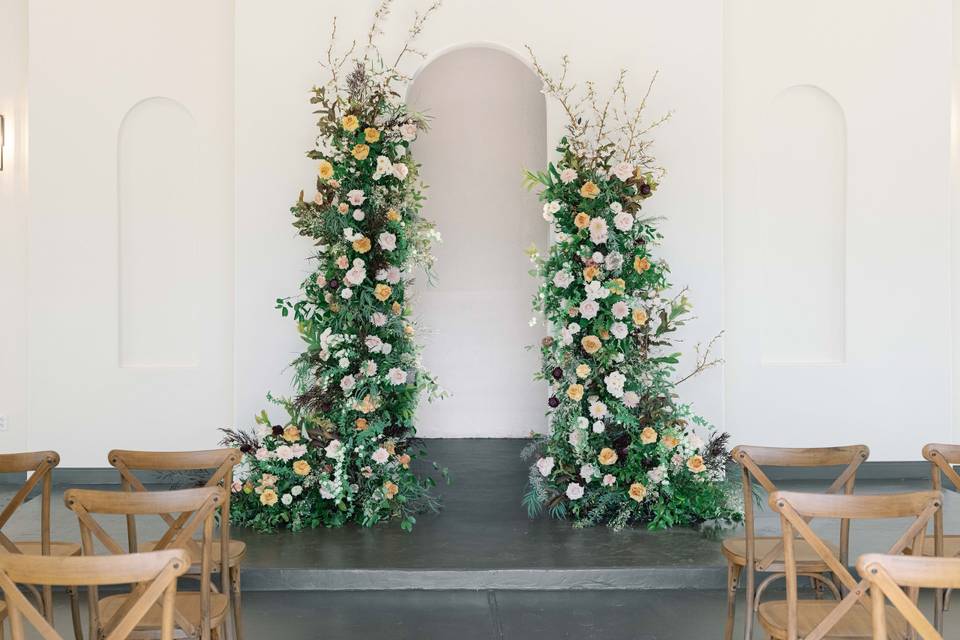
[154, 576]
[39, 465]
[752, 553]
[942, 457]
[200, 615]
[851, 617]
[222, 461]
[887, 574]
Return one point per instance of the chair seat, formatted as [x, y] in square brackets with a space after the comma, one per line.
[951, 546]
[735, 550]
[236, 549]
[855, 624]
[188, 604]
[35, 548]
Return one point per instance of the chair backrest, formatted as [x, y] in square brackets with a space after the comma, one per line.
[196, 508]
[796, 509]
[887, 574]
[942, 457]
[154, 573]
[753, 459]
[39, 465]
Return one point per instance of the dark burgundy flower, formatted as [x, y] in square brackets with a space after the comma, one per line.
[645, 189]
[246, 448]
[557, 373]
[553, 402]
[325, 407]
[333, 283]
[277, 430]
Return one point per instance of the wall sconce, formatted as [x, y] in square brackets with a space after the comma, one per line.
[3, 141]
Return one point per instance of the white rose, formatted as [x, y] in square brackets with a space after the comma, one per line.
[545, 466]
[574, 491]
[408, 131]
[397, 375]
[387, 241]
[623, 170]
[400, 171]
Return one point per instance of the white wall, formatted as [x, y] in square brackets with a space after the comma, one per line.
[871, 361]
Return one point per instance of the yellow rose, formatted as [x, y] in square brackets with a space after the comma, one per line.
[639, 316]
[648, 435]
[670, 441]
[301, 467]
[396, 308]
[641, 264]
[371, 135]
[268, 497]
[581, 220]
[361, 424]
[361, 244]
[325, 170]
[589, 190]
[390, 489]
[291, 433]
[590, 344]
[638, 492]
[695, 464]
[583, 370]
[590, 272]
[575, 392]
[381, 292]
[361, 151]
[350, 123]
[408, 330]
[617, 286]
[393, 215]
[607, 456]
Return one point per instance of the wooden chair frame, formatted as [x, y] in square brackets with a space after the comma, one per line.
[155, 575]
[941, 457]
[797, 509]
[752, 459]
[887, 574]
[196, 508]
[222, 461]
[39, 465]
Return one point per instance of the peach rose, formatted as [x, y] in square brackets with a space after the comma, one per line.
[638, 492]
[381, 292]
[590, 272]
[575, 392]
[396, 308]
[361, 244]
[670, 441]
[390, 490]
[366, 405]
[371, 135]
[350, 123]
[583, 370]
[581, 220]
[607, 456]
[648, 435]
[291, 433]
[639, 316]
[268, 497]
[404, 460]
[361, 424]
[641, 264]
[393, 215]
[325, 170]
[301, 467]
[361, 151]
[343, 207]
[695, 464]
[590, 344]
[589, 190]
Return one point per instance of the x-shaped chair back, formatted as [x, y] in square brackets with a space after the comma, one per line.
[196, 509]
[752, 460]
[155, 574]
[39, 464]
[796, 509]
[221, 461]
[887, 574]
[942, 457]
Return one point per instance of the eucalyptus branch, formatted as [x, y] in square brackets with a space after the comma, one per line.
[704, 360]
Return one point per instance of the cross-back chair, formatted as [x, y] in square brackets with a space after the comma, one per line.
[888, 574]
[199, 615]
[39, 466]
[942, 457]
[154, 573]
[751, 553]
[852, 616]
[222, 462]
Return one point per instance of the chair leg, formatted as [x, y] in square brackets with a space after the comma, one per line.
[235, 603]
[733, 580]
[74, 593]
[749, 611]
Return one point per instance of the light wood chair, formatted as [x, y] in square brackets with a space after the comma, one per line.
[752, 554]
[39, 465]
[942, 457]
[852, 616]
[199, 615]
[153, 576]
[887, 574]
[222, 462]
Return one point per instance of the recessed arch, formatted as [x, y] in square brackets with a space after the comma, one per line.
[488, 125]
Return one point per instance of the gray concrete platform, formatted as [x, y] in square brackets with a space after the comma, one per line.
[483, 540]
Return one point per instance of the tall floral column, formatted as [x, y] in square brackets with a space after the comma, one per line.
[622, 448]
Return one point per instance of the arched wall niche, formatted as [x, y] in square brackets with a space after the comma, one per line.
[157, 198]
[488, 125]
[803, 219]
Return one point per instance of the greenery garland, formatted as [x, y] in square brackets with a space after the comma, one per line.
[621, 449]
[345, 451]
